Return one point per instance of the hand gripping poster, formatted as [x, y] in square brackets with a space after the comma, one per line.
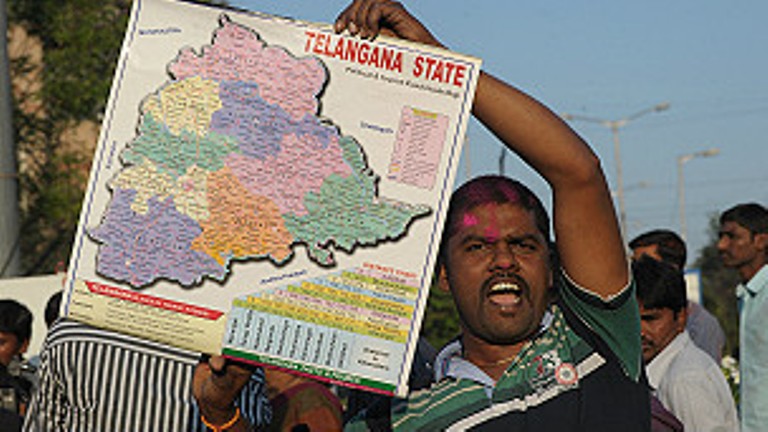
[268, 189]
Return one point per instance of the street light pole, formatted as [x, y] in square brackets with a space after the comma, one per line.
[614, 126]
[619, 176]
[682, 160]
[502, 158]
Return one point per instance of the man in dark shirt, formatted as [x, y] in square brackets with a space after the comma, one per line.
[15, 332]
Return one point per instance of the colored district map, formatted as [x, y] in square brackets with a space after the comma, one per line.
[232, 162]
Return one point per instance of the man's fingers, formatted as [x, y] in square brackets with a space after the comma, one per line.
[239, 372]
[345, 19]
[368, 18]
[389, 18]
[218, 365]
[230, 375]
[362, 18]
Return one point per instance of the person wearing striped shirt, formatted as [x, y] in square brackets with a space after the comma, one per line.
[97, 380]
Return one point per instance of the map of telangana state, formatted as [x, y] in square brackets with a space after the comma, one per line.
[232, 162]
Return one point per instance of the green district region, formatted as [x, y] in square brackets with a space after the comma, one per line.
[174, 154]
[345, 212]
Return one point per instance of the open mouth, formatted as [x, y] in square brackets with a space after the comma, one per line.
[506, 294]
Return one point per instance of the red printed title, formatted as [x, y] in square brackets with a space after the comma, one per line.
[381, 57]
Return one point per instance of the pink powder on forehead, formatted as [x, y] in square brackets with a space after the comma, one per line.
[492, 232]
[470, 220]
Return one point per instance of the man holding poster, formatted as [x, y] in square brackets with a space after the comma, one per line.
[544, 346]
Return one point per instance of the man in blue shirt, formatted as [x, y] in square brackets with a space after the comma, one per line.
[743, 246]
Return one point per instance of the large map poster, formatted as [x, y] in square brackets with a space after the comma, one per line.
[269, 189]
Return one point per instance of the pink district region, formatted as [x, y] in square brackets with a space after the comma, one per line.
[237, 54]
[347, 310]
[301, 166]
[241, 224]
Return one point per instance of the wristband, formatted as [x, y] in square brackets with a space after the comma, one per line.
[223, 427]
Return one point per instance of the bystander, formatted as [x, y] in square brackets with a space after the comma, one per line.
[685, 379]
[702, 326]
[15, 390]
[743, 246]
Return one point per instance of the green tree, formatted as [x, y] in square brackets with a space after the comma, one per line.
[80, 42]
[441, 321]
[718, 283]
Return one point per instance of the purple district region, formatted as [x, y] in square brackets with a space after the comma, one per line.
[141, 248]
[257, 125]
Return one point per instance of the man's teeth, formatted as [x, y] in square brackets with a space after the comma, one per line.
[506, 294]
[506, 287]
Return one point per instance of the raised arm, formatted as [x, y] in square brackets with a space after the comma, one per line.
[586, 229]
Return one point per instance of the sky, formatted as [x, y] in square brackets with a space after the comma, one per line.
[609, 60]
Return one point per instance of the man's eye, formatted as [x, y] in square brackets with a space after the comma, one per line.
[524, 247]
[474, 247]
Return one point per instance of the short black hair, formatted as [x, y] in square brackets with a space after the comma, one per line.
[659, 285]
[670, 246]
[751, 216]
[52, 308]
[15, 319]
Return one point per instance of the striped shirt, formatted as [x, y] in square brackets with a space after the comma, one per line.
[96, 380]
